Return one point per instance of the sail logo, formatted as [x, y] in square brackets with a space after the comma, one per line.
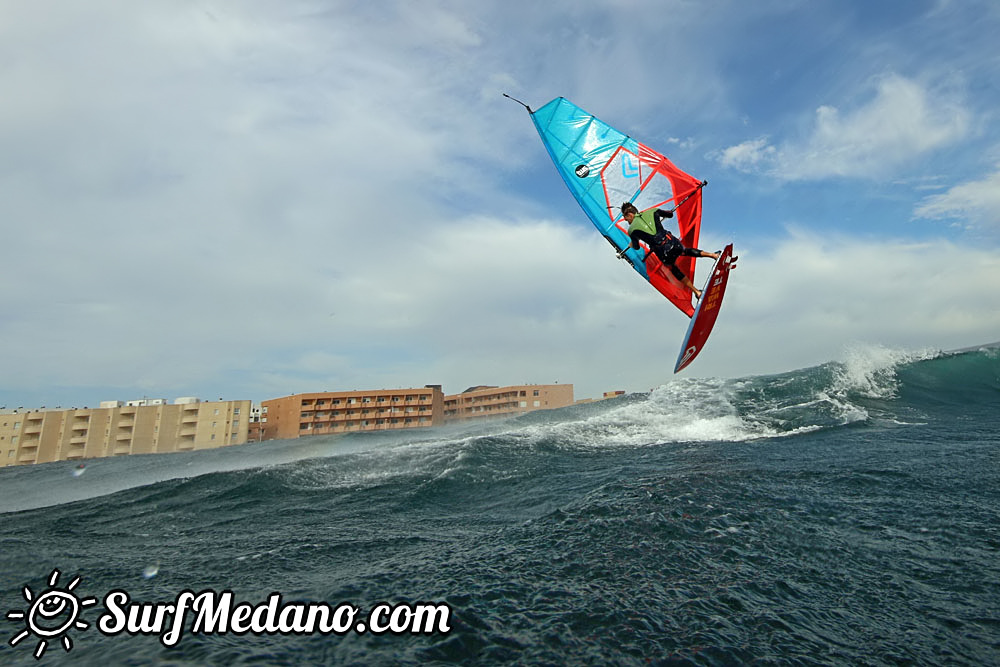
[629, 168]
[582, 171]
[52, 614]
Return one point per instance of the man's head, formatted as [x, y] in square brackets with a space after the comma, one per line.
[629, 211]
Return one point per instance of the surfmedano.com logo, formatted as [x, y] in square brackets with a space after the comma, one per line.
[53, 613]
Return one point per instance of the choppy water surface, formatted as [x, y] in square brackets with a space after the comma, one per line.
[848, 513]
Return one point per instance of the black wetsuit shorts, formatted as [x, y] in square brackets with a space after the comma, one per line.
[670, 250]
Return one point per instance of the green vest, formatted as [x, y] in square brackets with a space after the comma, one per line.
[643, 221]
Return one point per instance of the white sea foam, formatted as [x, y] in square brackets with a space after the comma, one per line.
[681, 411]
[871, 369]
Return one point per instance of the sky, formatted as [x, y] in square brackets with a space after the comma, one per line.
[245, 199]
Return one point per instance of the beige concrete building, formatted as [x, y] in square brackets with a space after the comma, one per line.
[153, 426]
[485, 402]
[349, 411]
[386, 409]
[115, 429]
[606, 396]
[256, 431]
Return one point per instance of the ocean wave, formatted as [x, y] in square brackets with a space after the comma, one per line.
[871, 385]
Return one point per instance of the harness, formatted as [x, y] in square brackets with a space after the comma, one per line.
[664, 244]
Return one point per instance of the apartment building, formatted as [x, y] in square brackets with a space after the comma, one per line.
[350, 411]
[604, 397]
[484, 402]
[115, 429]
[151, 426]
[353, 411]
[256, 430]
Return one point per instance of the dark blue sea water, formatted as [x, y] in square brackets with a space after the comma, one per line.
[843, 514]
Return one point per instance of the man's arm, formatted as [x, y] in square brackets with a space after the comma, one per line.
[658, 216]
[640, 235]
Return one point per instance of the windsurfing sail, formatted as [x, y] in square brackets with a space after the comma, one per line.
[604, 168]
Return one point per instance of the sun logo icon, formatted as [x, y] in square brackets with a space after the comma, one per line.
[51, 615]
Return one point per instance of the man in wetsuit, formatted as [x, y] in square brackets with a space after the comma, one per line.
[647, 227]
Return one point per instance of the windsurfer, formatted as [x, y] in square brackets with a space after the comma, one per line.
[661, 242]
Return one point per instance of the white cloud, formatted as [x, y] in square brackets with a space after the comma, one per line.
[250, 198]
[976, 202]
[806, 298]
[749, 155]
[503, 302]
[195, 192]
[491, 301]
[903, 121]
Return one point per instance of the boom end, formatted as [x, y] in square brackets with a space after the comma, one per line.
[518, 101]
